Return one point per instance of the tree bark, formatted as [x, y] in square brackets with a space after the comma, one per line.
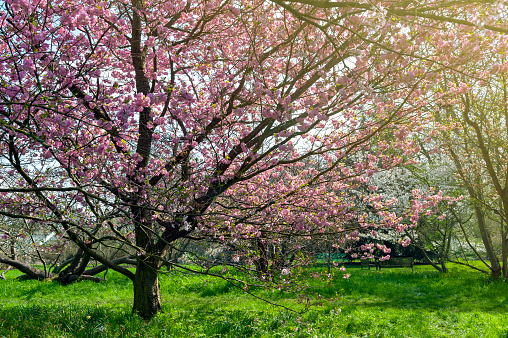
[504, 239]
[30, 272]
[2, 275]
[61, 266]
[504, 254]
[13, 248]
[100, 268]
[441, 268]
[261, 263]
[495, 267]
[147, 299]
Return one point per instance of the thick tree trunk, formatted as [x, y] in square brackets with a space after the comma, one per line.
[147, 299]
[72, 273]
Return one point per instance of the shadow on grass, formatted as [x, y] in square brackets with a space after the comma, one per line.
[85, 321]
[65, 321]
[41, 288]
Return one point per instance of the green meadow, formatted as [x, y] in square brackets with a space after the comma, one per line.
[391, 303]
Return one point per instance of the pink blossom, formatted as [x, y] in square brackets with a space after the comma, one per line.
[405, 242]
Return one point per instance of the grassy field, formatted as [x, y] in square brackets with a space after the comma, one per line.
[391, 303]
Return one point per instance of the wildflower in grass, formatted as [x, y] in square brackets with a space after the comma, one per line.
[335, 311]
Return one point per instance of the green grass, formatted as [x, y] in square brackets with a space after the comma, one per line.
[393, 303]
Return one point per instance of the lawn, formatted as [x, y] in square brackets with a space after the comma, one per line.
[391, 303]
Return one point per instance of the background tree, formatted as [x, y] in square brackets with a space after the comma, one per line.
[473, 123]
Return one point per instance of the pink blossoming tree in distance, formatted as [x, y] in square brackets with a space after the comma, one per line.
[133, 124]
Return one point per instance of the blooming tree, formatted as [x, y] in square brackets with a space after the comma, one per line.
[136, 123]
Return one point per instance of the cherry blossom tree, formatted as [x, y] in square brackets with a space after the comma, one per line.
[133, 124]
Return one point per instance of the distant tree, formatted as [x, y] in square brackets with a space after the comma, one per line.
[472, 120]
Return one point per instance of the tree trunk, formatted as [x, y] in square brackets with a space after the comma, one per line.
[100, 268]
[69, 274]
[30, 273]
[444, 269]
[13, 249]
[147, 299]
[441, 268]
[504, 254]
[169, 258]
[329, 259]
[262, 263]
[2, 275]
[495, 267]
[504, 240]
